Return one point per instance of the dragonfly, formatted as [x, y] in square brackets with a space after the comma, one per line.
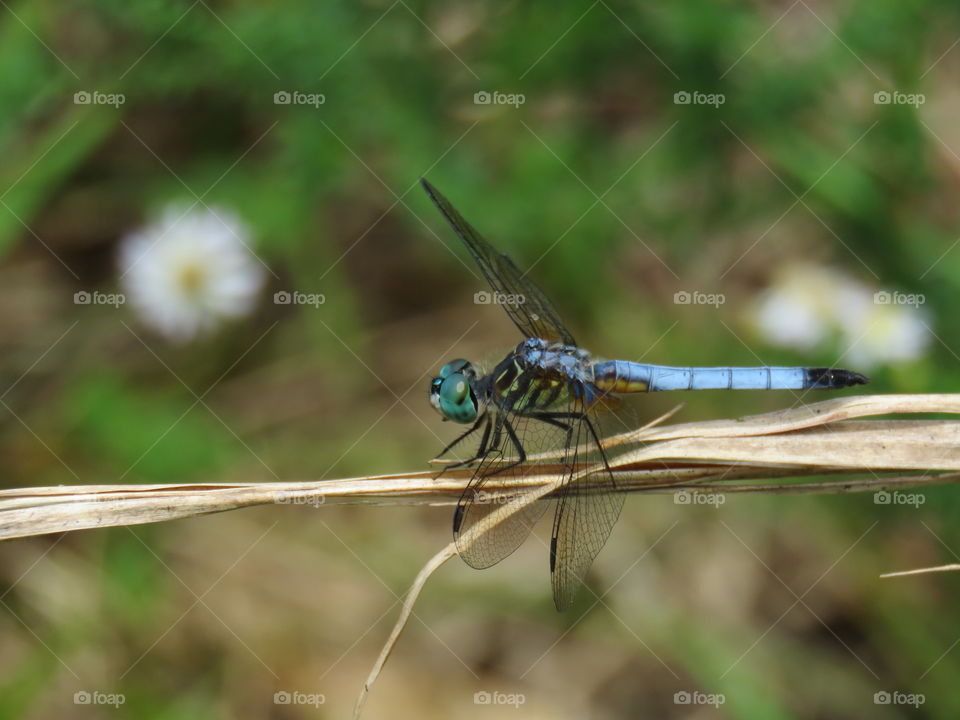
[548, 395]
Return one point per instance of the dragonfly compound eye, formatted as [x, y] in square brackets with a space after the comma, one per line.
[454, 366]
[456, 400]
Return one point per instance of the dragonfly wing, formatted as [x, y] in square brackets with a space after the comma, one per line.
[526, 305]
[498, 510]
[500, 506]
[588, 508]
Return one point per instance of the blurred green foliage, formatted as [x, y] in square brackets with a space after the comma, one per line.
[615, 194]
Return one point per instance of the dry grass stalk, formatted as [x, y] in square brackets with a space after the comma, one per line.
[825, 438]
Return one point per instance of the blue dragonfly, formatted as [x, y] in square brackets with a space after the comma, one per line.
[548, 394]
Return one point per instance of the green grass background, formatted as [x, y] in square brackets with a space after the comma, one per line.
[773, 602]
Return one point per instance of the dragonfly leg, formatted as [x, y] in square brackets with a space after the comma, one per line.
[554, 419]
[596, 439]
[521, 454]
[481, 449]
[502, 422]
[462, 436]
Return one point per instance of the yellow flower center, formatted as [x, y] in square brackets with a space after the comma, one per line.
[191, 278]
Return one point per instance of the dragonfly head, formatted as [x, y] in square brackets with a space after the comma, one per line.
[452, 392]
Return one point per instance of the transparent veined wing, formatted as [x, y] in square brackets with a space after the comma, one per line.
[496, 511]
[588, 506]
[526, 305]
[489, 525]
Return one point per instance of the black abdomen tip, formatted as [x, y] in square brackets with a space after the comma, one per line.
[827, 378]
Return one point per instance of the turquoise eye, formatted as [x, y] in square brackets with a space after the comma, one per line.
[451, 394]
[454, 366]
[455, 398]
[454, 389]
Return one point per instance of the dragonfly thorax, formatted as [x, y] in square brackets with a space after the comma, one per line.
[569, 361]
[539, 375]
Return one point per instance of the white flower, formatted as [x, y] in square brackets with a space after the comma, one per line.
[190, 270]
[889, 334]
[800, 308]
[808, 305]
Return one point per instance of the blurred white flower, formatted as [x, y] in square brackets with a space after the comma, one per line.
[808, 305]
[188, 271]
[889, 334]
[799, 309]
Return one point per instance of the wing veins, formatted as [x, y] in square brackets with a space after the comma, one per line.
[535, 316]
